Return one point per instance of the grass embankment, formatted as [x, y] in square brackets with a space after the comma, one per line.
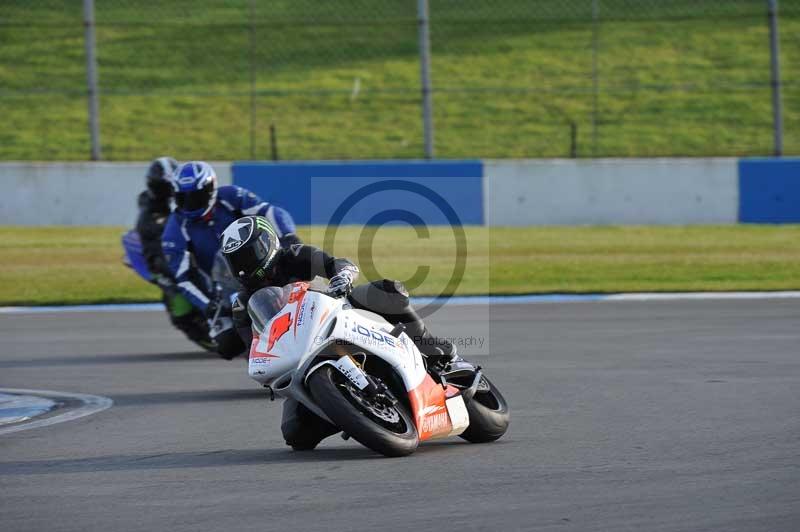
[82, 265]
[674, 78]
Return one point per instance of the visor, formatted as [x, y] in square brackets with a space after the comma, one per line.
[194, 200]
[255, 256]
[160, 188]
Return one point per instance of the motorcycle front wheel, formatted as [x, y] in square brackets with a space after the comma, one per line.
[383, 427]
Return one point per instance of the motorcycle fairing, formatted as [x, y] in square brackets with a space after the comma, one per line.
[438, 412]
[134, 258]
[292, 335]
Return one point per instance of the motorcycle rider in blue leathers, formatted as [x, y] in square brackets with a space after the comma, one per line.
[154, 210]
[203, 210]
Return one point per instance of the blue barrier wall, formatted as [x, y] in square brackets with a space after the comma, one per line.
[769, 191]
[375, 193]
[499, 193]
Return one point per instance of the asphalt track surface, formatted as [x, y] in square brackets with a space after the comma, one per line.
[625, 416]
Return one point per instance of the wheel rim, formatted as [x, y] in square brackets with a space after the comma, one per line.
[379, 411]
[382, 411]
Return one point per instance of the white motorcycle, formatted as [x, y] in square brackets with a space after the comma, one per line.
[365, 376]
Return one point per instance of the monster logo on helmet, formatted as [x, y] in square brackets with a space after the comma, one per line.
[250, 245]
[264, 225]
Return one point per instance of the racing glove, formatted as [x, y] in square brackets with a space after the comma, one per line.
[341, 284]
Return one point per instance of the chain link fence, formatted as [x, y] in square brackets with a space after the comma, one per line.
[307, 79]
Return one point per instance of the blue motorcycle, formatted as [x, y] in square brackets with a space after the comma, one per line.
[218, 334]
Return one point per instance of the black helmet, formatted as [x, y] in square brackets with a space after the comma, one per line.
[159, 176]
[250, 245]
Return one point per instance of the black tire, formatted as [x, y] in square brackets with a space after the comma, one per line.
[488, 415]
[229, 344]
[306, 446]
[328, 388]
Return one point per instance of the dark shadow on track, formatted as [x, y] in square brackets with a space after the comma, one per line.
[89, 360]
[193, 396]
[221, 458]
[229, 457]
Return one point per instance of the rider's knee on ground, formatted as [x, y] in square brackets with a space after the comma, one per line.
[301, 428]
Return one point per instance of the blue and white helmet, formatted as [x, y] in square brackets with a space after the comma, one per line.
[195, 185]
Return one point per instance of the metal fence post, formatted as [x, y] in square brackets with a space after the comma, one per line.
[91, 78]
[425, 73]
[775, 80]
[595, 71]
[252, 79]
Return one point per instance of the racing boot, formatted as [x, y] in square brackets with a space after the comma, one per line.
[443, 359]
[439, 352]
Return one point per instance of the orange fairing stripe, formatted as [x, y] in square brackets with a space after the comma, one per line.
[429, 410]
[451, 391]
[255, 353]
[254, 346]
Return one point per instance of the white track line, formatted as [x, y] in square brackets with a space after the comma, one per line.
[693, 296]
[92, 404]
[462, 300]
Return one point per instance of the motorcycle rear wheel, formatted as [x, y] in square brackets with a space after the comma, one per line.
[388, 430]
[488, 414]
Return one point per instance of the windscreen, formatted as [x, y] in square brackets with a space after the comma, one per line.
[266, 303]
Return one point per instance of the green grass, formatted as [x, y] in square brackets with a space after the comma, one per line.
[677, 77]
[62, 265]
